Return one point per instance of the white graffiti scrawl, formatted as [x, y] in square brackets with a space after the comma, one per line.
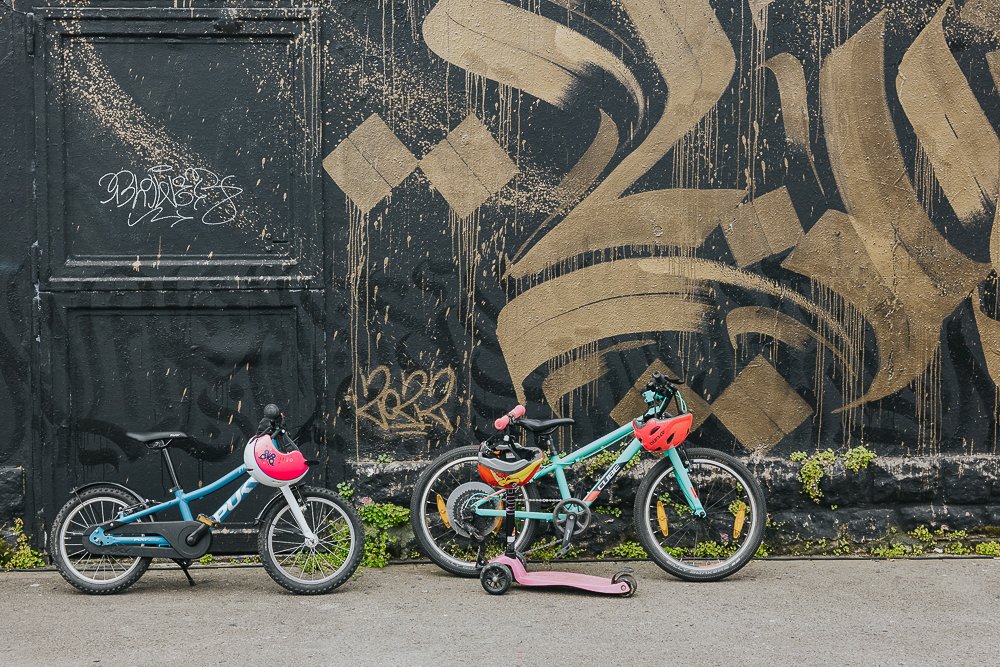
[167, 194]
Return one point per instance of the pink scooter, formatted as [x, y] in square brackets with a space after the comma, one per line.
[503, 570]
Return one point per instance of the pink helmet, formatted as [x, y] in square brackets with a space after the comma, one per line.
[272, 467]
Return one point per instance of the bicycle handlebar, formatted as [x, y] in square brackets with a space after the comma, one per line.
[502, 422]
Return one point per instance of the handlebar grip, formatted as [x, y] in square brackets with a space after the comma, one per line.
[503, 422]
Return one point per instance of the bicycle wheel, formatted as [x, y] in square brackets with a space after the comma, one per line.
[452, 481]
[701, 549]
[305, 569]
[90, 573]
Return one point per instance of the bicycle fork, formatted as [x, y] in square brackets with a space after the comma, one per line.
[687, 488]
[300, 520]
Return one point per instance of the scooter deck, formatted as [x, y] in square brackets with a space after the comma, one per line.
[585, 582]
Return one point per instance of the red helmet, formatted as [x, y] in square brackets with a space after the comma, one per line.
[659, 435]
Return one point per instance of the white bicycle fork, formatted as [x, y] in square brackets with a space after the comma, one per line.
[293, 505]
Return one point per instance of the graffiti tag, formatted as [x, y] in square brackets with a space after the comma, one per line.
[409, 404]
[165, 194]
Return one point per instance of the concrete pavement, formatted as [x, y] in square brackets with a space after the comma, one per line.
[839, 612]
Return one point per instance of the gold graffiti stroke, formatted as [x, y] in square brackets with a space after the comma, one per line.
[947, 118]
[926, 276]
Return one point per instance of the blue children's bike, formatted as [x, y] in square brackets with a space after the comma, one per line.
[699, 513]
[310, 539]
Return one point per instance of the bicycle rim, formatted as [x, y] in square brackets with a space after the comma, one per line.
[93, 568]
[448, 544]
[312, 565]
[728, 534]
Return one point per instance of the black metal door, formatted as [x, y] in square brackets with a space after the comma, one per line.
[180, 253]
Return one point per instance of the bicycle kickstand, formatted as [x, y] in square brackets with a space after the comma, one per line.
[184, 564]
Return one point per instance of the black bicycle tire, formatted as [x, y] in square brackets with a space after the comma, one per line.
[527, 535]
[353, 559]
[66, 570]
[651, 545]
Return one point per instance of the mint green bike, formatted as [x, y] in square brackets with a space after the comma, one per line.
[698, 513]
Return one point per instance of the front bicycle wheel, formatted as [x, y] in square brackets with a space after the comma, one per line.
[701, 548]
[444, 521]
[312, 569]
[91, 573]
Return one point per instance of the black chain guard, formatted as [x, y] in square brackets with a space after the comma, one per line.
[175, 532]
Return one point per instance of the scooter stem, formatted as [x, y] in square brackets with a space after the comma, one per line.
[300, 520]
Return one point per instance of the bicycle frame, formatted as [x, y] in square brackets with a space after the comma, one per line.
[181, 501]
[557, 465]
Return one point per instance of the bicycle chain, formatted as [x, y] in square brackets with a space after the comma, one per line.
[552, 500]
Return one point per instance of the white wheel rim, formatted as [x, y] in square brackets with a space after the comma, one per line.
[81, 557]
[293, 552]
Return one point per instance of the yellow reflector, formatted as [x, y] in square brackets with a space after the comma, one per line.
[443, 511]
[661, 518]
[741, 517]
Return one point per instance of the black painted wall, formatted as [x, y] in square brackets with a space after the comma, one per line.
[211, 207]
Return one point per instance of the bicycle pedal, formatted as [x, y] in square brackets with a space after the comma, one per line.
[207, 520]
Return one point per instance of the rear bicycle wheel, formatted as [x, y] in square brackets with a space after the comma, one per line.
[701, 549]
[91, 573]
[441, 513]
[312, 569]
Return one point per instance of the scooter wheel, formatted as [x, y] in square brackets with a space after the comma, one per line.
[629, 581]
[496, 578]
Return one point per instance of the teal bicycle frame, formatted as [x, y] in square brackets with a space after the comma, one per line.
[558, 464]
[181, 501]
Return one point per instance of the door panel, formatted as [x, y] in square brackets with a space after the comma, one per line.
[178, 144]
[203, 363]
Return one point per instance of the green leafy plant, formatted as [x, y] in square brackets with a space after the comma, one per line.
[384, 515]
[629, 549]
[858, 458]
[345, 490]
[376, 550]
[713, 550]
[895, 550]
[378, 519]
[384, 458]
[20, 555]
[680, 509]
[597, 464]
[206, 559]
[922, 534]
[956, 546]
[988, 548]
[610, 510]
[813, 470]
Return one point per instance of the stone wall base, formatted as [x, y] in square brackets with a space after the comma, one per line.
[892, 496]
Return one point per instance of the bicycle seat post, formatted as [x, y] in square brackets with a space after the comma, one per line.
[546, 440]
[170, 469]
